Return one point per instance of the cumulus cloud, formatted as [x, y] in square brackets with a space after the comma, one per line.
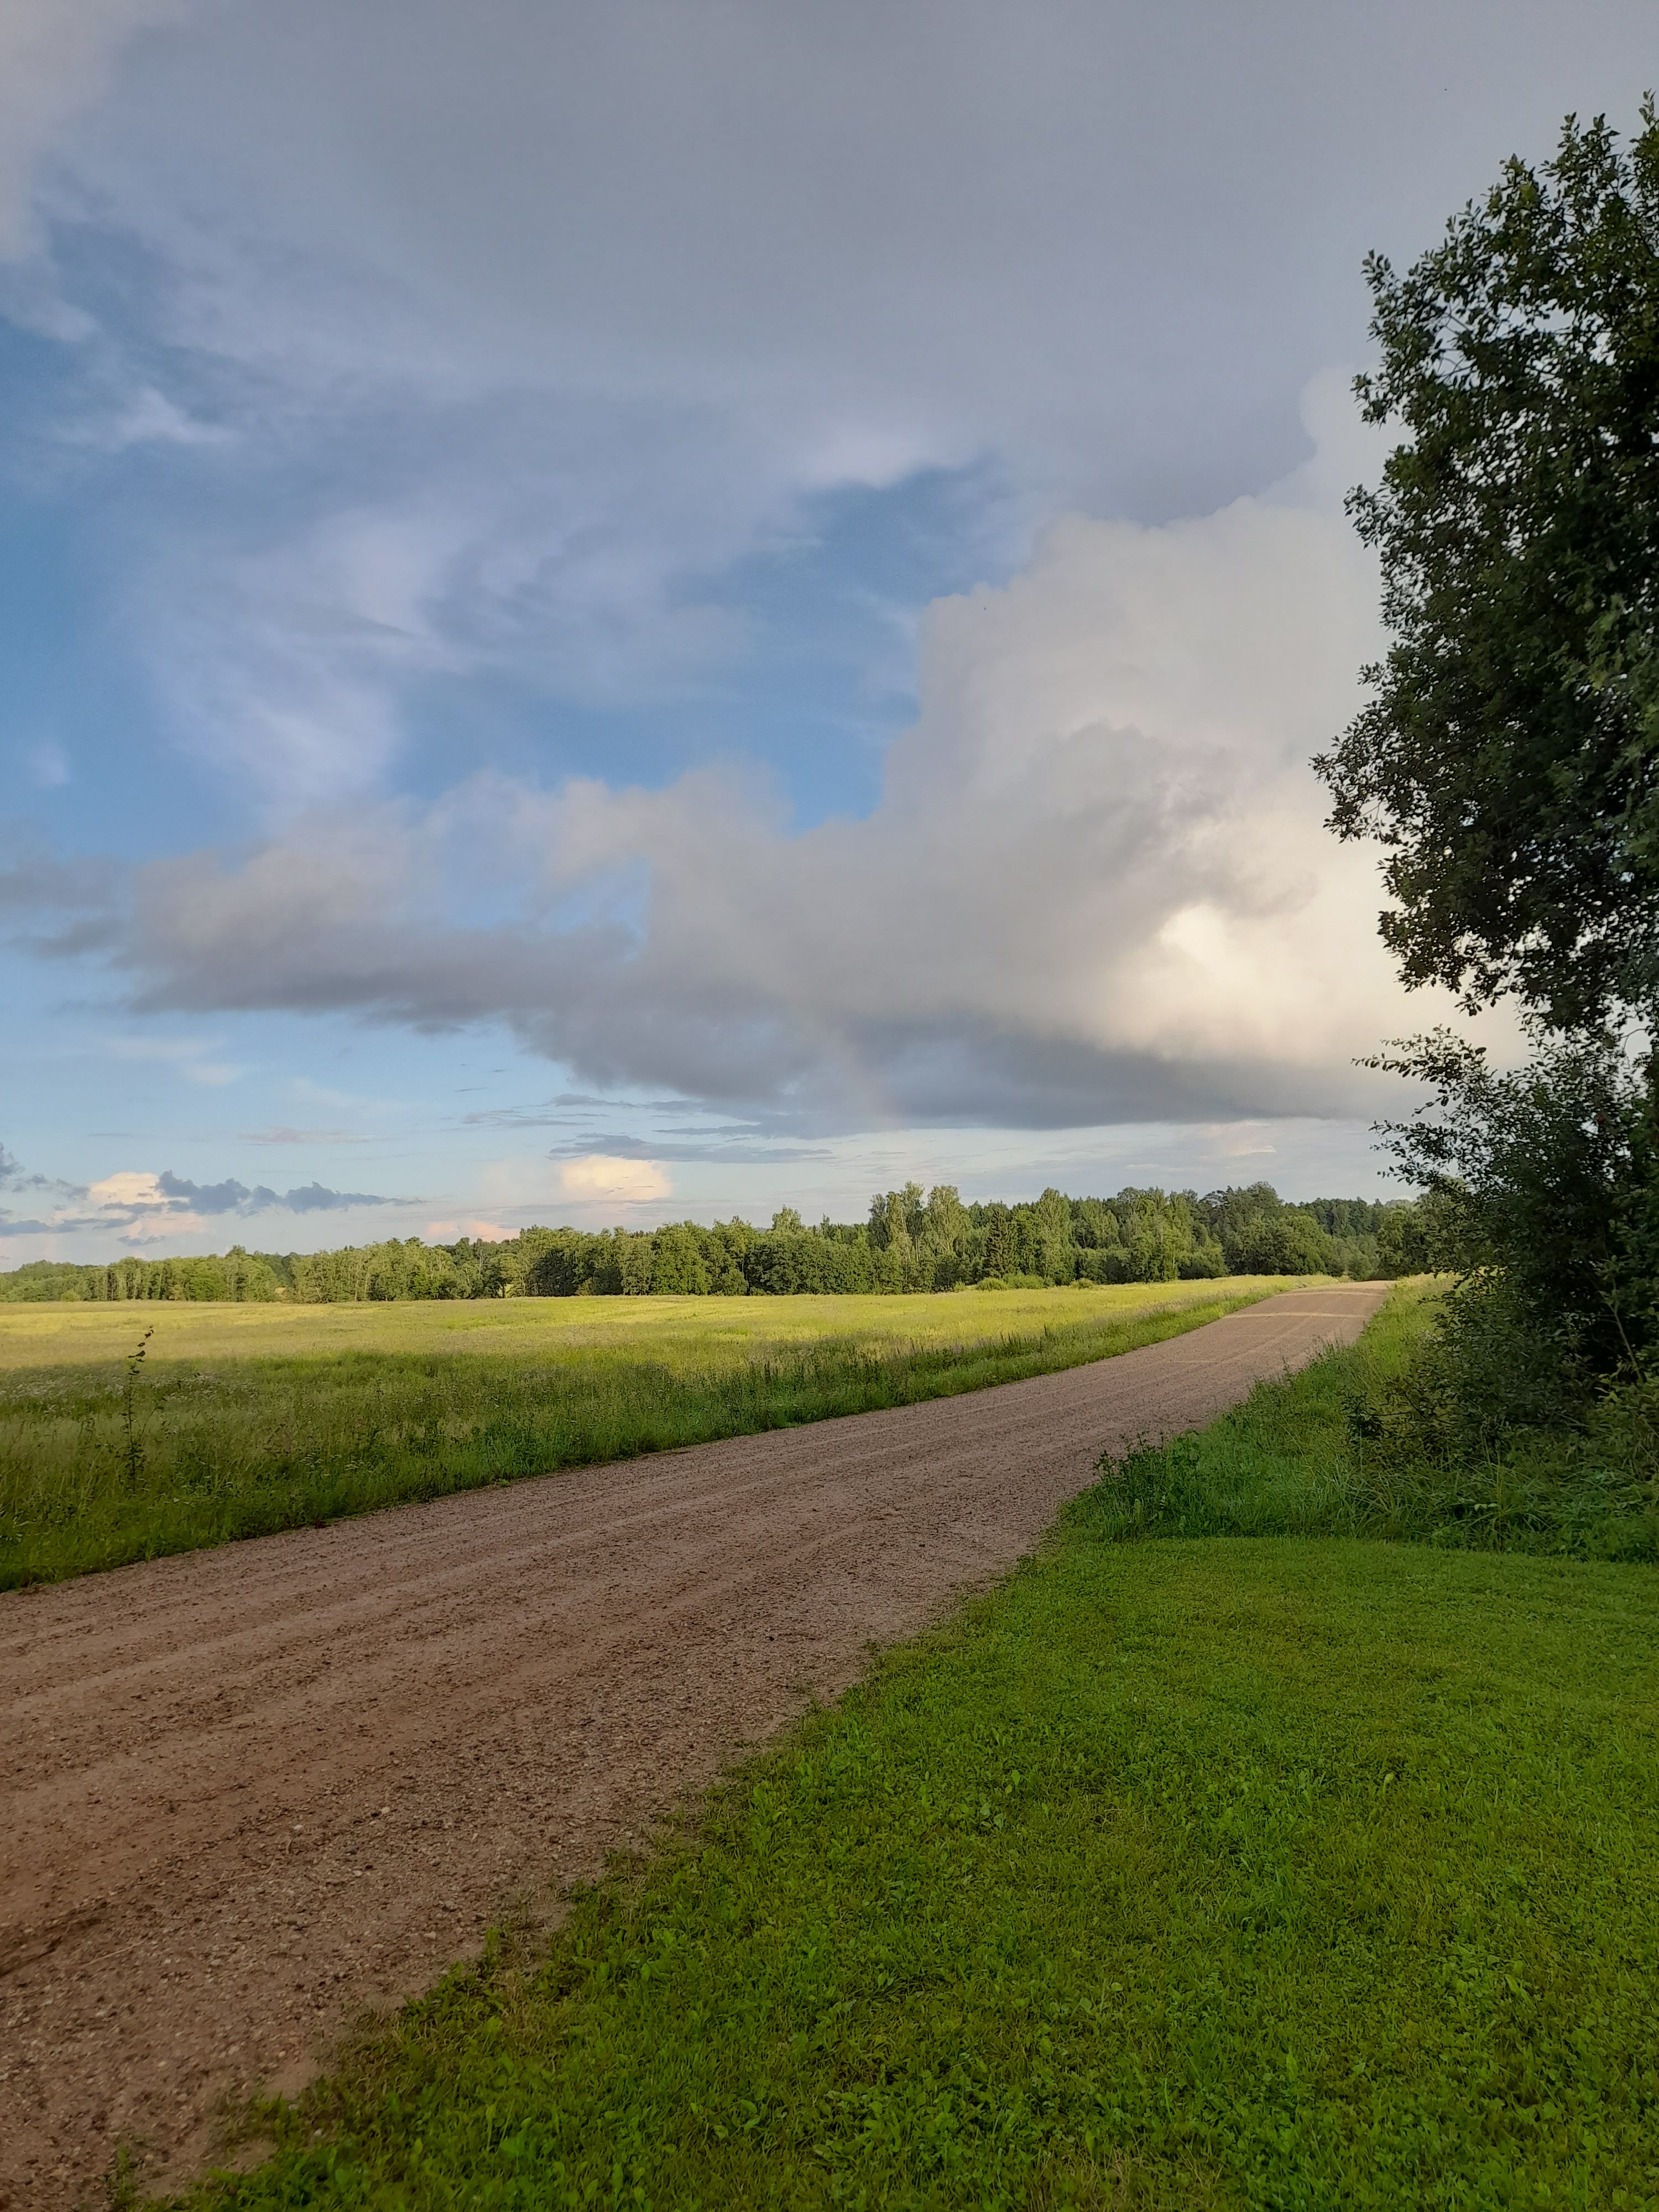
[1095, 887]
[624, 1182]
[127, 1187]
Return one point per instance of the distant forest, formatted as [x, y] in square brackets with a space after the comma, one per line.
[909, 1243]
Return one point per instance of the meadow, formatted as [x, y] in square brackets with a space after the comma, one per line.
[1266, 1870]
[242, 1419]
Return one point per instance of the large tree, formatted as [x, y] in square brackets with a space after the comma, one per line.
[1509, 759]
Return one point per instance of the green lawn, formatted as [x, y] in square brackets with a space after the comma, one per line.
[248, 1418]
[1287, 1872]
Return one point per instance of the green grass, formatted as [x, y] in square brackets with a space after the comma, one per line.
[1277, 1874]
[246, 1420]
[673, 1331]
[1334, 1451]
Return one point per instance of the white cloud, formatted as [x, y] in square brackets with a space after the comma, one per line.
[129, 1187]
[625, 1182]
[1097, 886]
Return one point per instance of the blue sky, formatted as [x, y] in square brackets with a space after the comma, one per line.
[611, 613]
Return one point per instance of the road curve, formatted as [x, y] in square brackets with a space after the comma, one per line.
[248, 1791]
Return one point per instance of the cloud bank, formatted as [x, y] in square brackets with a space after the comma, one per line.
[485, 342]
[56, 58]
[144, 1205]
[1095, 887]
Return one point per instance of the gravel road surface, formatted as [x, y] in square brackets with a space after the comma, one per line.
[249, 1792]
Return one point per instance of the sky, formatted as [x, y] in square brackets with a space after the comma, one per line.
[617, 613]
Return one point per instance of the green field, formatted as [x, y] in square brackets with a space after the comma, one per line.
[243, 1419]
[689, 1332]
[1259, 1872]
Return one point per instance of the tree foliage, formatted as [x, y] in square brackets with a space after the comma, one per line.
[1509, 760]
[1543, 1194]
[909, 1241]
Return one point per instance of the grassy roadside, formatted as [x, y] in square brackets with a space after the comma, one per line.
[1327, 1454]
[255, 1445]
[1280, 1873]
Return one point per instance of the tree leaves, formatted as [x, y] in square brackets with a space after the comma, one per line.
[1508, 762]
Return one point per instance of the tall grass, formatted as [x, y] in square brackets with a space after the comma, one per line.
[102, 1466]
[1345, 1447]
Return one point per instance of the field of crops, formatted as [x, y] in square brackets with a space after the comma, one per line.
[693, 1331]
[241, 1419]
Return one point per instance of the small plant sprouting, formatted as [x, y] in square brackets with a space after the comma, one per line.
[130, 1410]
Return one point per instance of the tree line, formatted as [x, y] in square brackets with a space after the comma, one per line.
[910, 1241]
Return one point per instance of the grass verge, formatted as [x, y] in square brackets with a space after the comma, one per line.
[1259, 1874]
[1335, 1451]
[95, 1473]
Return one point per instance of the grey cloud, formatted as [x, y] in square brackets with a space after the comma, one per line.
[55, 61]
[685, 268]
[313, 1198]
[233, 1197]
[521, 1117]
[991, 1075]
[181, 1196]
[724, 1142]
[555, 1113]
[1095, 887]
[215, 1198]
[879, 235]
[634, 1105]
[68, 1223]
[736, 1154]
[15, 1177]
[55, 907]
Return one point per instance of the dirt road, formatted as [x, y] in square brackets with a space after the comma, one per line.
[249, 1791]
